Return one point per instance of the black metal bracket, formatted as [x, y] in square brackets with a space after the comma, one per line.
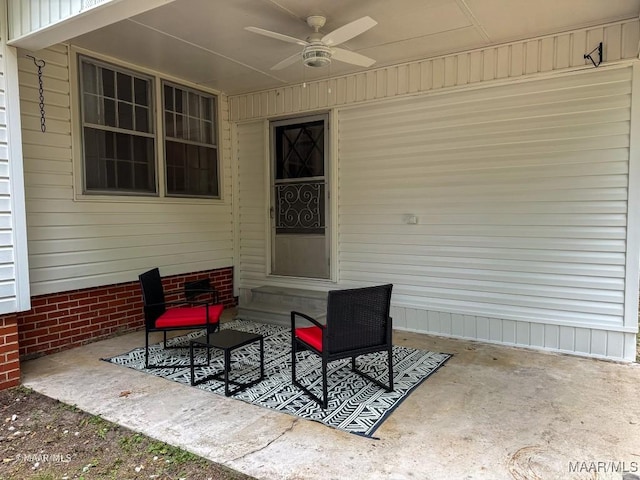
[588, 56]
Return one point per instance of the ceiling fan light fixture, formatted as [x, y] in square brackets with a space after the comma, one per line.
[316, 56]
[319, 49]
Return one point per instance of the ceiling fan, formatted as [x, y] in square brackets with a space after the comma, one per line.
[320, 49]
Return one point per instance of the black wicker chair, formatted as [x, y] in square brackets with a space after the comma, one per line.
[358, 323]
[189, 314]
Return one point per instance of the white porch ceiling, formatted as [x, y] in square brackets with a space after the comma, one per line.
[204, 41]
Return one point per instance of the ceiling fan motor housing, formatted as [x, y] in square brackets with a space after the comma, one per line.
[316, 55]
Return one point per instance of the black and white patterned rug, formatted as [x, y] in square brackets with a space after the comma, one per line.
[355, 404]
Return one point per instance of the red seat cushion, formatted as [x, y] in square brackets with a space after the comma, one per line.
[189, 316]
[311, 336]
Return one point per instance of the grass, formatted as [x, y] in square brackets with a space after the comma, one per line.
[44, 439]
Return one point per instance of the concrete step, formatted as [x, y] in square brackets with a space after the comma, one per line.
[274, 305]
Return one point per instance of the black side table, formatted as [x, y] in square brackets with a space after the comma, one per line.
[227, 341]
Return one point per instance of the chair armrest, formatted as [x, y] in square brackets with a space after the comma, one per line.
[179, 302]
[196, 288]
[295, 314]
[195, 292]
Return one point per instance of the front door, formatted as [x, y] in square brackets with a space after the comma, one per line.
[299, 198]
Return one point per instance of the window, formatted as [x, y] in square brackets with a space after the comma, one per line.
[299, 182]
[119, 139]
[191, 152]
[117, 129]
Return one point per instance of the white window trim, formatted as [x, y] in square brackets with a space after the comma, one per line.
[76, 136]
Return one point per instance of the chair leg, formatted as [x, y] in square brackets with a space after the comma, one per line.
[293, 359]
[390, 358]
[388, 388]
[325, 396]
[320, 401]
[146, 349]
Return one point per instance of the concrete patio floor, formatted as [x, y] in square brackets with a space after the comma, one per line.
[491, 412]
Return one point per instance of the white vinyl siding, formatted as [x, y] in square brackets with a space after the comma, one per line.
[78, 244]
[250, 150]
[14, 285]
[522, 198]
[520, 193]
[497, 63]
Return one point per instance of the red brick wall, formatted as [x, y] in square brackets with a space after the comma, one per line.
[69, 319]
[9, 359]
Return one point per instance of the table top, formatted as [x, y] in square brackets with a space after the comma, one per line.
[227, 339]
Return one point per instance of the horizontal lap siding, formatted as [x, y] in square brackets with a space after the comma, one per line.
[250, 153]
[509, 61]
[520, 193]
[80, 244]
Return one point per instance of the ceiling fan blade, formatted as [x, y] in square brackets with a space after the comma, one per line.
[287, 61]
[348, 31]
[277, 36]
[354, 58]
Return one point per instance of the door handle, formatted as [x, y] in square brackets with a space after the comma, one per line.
[272, 213]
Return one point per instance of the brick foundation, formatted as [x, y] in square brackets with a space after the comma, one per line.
[64, 320]
[9, 356]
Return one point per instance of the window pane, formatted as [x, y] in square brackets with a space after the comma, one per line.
[109, 168]
[194, 105]
[109, 113]
[212, 179]
[175, 155]
[142, 119]
[178, 105]
[206, 108]
[125, 115]
[125, 175]
[141, 148]
[123, 146]
[91, 109]
[142, 91]
[109, 144]
[194, 130]
[180, 126]
[169, 125]
[111, 181]
[108, 83]
[192, 157]
[89, 78]
[208, 132]
[300, 150]
[168, 98]
[93, 141]
[141, 176]
[124, 87]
